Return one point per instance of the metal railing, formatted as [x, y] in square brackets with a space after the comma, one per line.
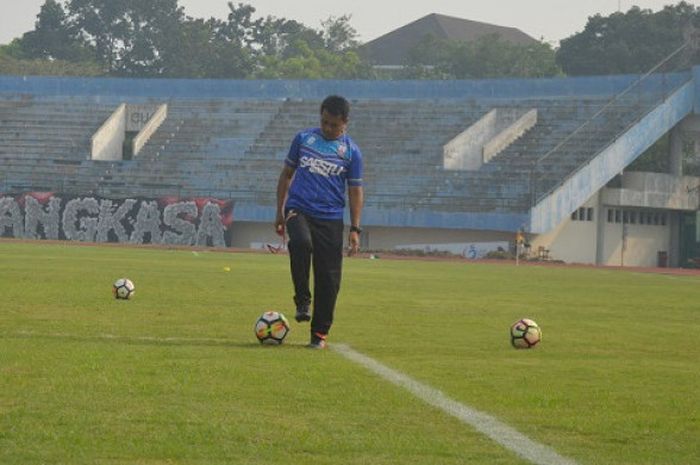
[617, 116]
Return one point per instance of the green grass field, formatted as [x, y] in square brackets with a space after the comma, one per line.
[175, 376]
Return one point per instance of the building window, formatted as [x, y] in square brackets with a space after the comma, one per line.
[633, 217]
[641, 217]
[625, 217]
[586, 214]
[611, 215]
[663, 219]
[618, 216]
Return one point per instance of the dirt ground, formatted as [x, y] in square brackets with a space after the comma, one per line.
[382, 256]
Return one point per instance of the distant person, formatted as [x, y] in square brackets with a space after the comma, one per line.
[310, 206]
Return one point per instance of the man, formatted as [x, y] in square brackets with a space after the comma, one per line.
[310, 206]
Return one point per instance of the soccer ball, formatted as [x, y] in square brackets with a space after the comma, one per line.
[525, 334]
[123, 288]
[271, 328]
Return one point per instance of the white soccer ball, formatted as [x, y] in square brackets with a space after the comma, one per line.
[123, 288]
[525, 334]
[271, 328]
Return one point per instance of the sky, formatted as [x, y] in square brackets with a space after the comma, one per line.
[549, 20]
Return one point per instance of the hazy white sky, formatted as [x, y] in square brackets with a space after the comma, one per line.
[551, 20]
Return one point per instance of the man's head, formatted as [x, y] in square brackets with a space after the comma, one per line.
[335, 112]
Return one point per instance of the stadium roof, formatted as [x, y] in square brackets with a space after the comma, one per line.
[392, 48]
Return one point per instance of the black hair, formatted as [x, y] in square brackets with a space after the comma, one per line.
[336, 106]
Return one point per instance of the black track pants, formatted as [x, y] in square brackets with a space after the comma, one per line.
[317, 243]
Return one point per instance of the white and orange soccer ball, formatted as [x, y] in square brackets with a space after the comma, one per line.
[123, 288]
[271, 328]
[525, 334]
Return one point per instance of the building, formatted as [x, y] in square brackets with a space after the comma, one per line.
[391, 49]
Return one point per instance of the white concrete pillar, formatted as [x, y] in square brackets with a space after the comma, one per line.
[601, 220]
[674, 250]
[675, 154]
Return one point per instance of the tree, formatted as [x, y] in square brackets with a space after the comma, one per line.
[338, 35]
[310, 63]
[631, 42]
[286, 49]
[201, 50]
[11, 65]
[155, 38]
[127, 35]
[52, 38]
[487, 57]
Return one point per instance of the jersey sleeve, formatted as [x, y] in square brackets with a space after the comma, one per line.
[355, 169]
[292, 159]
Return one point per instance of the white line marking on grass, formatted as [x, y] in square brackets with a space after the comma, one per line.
[503, 434]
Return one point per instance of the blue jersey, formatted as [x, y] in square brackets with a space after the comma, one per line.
[322, 169]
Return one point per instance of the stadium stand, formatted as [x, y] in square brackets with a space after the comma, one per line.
[226, 141]
[222, 147]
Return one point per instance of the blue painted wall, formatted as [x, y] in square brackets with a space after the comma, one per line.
[279, 89]
[372, 216]
[696, 79]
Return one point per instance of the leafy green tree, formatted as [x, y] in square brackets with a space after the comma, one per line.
[309, 63]
[201, 50]
[127, 35]
[338, 34]
[50, 49]
[241, 29]
[631, 42]
[11, 65]
[288, 49]
[267, 42]
[155, 38]
[295, 39]
[486, 57]
[52, 38]
[269, 36]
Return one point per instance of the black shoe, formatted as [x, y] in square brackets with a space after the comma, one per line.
[318, 341]
[303, 313]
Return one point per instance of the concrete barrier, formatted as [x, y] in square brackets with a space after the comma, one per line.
[149, 128]
[463, 152]
[509, 135]
[486, 138]
[107, 142]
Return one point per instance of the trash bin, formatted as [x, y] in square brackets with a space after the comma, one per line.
[662, 259]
